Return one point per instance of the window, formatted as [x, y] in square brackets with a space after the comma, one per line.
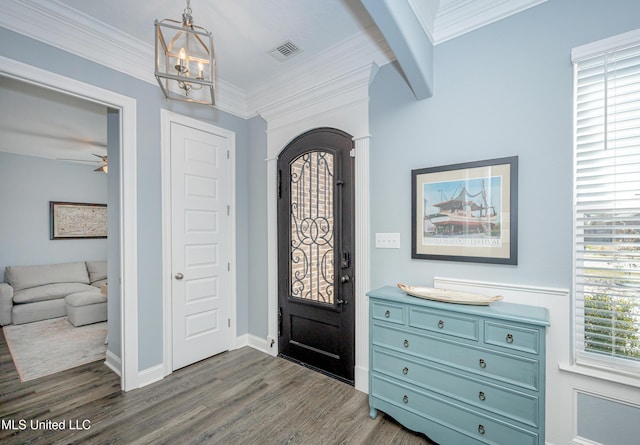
[607, 205]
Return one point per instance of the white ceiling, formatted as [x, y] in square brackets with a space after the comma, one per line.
[39, 122]
[244, 31]
[331, 33]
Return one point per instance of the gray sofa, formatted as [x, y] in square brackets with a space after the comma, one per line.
[33, 293]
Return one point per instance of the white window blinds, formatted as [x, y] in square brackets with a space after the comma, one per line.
[607, 209]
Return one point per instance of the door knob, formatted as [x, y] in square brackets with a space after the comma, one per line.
[345, 279]
[179, 276]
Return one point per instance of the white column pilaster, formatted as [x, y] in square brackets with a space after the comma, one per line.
[362, 272]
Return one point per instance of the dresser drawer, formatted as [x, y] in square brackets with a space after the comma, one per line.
[430, 405]
[390, 312]
[516, 370]
[449, 382]
[510, 336]
[444, 323]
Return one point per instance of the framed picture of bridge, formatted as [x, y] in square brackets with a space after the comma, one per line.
[466, 212]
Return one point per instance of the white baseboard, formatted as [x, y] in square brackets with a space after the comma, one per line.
[362, 379]
[254, 342]
[241, 341]
[582, 441]
[150, 375]
[113, 362]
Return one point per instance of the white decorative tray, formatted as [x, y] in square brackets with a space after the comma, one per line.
[448, 296]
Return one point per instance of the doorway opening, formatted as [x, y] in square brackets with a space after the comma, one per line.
[123, 314]
[316, 252]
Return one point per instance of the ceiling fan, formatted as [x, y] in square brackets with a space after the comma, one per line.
[105, 164]
[103, 160]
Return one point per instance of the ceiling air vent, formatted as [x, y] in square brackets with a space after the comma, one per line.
[285, 51]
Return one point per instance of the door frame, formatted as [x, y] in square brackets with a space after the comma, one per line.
[362, 246]
[341, 104]
[126, 106]
[167, 118]
[340, 145]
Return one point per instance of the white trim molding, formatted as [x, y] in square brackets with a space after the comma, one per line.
[167, 117]
[128, 197]
[363, 246]
[579, 440]
[456, 18]
[150, 375]
[609, 44]
[253, 341]
[330, 72]
[113, 362]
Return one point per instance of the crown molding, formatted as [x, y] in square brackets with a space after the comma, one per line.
[58, 25]
[330, 66]
[339, 92]
[63, 27]
[458, 17]
[426, 13]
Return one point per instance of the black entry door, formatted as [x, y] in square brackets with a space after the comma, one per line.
[316, 252]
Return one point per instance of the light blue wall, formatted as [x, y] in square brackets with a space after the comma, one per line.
[502, 90]
[27, 184]
[149, 102]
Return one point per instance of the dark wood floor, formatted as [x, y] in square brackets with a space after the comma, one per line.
[238, 397]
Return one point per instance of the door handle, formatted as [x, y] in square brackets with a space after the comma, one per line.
[345, 279]
[179, 276]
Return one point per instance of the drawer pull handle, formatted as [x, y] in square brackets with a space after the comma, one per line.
[406, 343]
[481, 429]
[405, 399]
[405, 371]
[483, 364]
[441, 324]
[509, 338]
[481, 396]
[387, 314]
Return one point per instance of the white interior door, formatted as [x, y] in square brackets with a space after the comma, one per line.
[201, 291]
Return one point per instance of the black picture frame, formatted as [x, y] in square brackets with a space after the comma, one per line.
[466, 212]
[77, 220]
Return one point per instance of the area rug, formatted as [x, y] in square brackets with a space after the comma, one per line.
[49, 346]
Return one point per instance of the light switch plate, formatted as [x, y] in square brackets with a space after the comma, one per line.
[387, 240]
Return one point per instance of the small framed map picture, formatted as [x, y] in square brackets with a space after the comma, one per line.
[74, 220]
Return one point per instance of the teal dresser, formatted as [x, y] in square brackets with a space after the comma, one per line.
[460, 374]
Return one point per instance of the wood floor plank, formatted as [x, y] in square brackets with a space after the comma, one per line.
[238, 397]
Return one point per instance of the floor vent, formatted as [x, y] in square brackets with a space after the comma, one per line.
[285, 51]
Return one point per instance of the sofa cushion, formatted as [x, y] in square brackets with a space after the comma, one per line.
[97, 271]
[42, 310]
[49, 292]
[85, 298]
[23, 277]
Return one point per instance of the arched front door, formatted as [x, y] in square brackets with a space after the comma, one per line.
[316, 252]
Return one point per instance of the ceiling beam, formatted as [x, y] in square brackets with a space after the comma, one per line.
[408, 40]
